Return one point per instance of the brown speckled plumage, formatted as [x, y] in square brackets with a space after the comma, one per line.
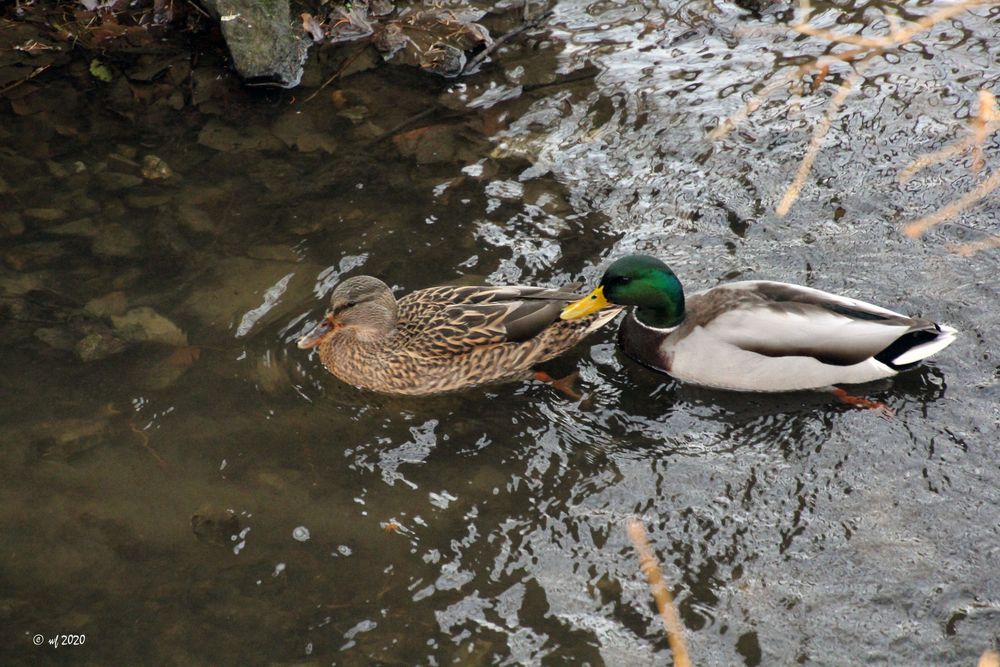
[443, 338]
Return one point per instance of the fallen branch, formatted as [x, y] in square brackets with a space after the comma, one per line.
[664, 601]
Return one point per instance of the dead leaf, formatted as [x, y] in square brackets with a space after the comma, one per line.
[312, 27]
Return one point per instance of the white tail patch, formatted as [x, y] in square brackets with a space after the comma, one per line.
[944, 338]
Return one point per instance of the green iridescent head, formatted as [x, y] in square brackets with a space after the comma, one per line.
[641, 281]
[648, 284]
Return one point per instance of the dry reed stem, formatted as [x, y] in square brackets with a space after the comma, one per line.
[932, 158]
[983, 124]
[866, 49]
[664, 601]
[898, 35]
[819, 66]
[989, 659]
[916, 229]
[819, 134]
[970, 249]
[840, 38]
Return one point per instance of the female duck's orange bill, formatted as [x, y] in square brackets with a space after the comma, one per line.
[318, 333]
[591, 303]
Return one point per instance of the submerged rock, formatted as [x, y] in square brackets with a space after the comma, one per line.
[242, 293]
[11, 224]
[83, 227]
[99, 345]
[437, 144]
[147, 201]
[196, 220]
[66, 438]
[298, 130]
[154, 168]
[271, 375]
[45, 214]
[214, 525]
[222, 137]
[114, 181]
[58, 338]
[30, 256]
[146, 325]
[164, 370]
[113, 303]
[115, 241]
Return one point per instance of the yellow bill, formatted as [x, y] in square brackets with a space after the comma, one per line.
[591, 303]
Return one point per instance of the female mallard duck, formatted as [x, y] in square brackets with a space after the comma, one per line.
[757, 335]
[443, 338]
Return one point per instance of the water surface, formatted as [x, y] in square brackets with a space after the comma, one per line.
[223, 500]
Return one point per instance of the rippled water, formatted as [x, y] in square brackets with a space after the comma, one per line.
[225, 501]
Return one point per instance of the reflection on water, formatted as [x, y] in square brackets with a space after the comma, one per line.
[184, 486]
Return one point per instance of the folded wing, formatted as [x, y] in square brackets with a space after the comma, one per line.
[778, 319]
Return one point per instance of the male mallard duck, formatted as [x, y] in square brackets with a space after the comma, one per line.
[757, 335]
[443, 338]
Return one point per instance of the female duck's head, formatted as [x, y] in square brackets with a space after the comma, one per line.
[636, 280]
[361, 305]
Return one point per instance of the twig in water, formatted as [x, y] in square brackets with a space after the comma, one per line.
[819, 134]
[970, 249]
[35, 72]
[664, 601]
[399, 126]
[336, 75]
[198, 9]
[144, 441]
[916, 229]
[475, 62]
[986, 122]
[865, 49]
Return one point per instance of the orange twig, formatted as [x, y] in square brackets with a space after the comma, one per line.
[819, 134]
[916, 229]
[664, 601]
[970, 249]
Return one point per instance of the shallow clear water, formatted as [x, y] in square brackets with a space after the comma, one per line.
[155, 499]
